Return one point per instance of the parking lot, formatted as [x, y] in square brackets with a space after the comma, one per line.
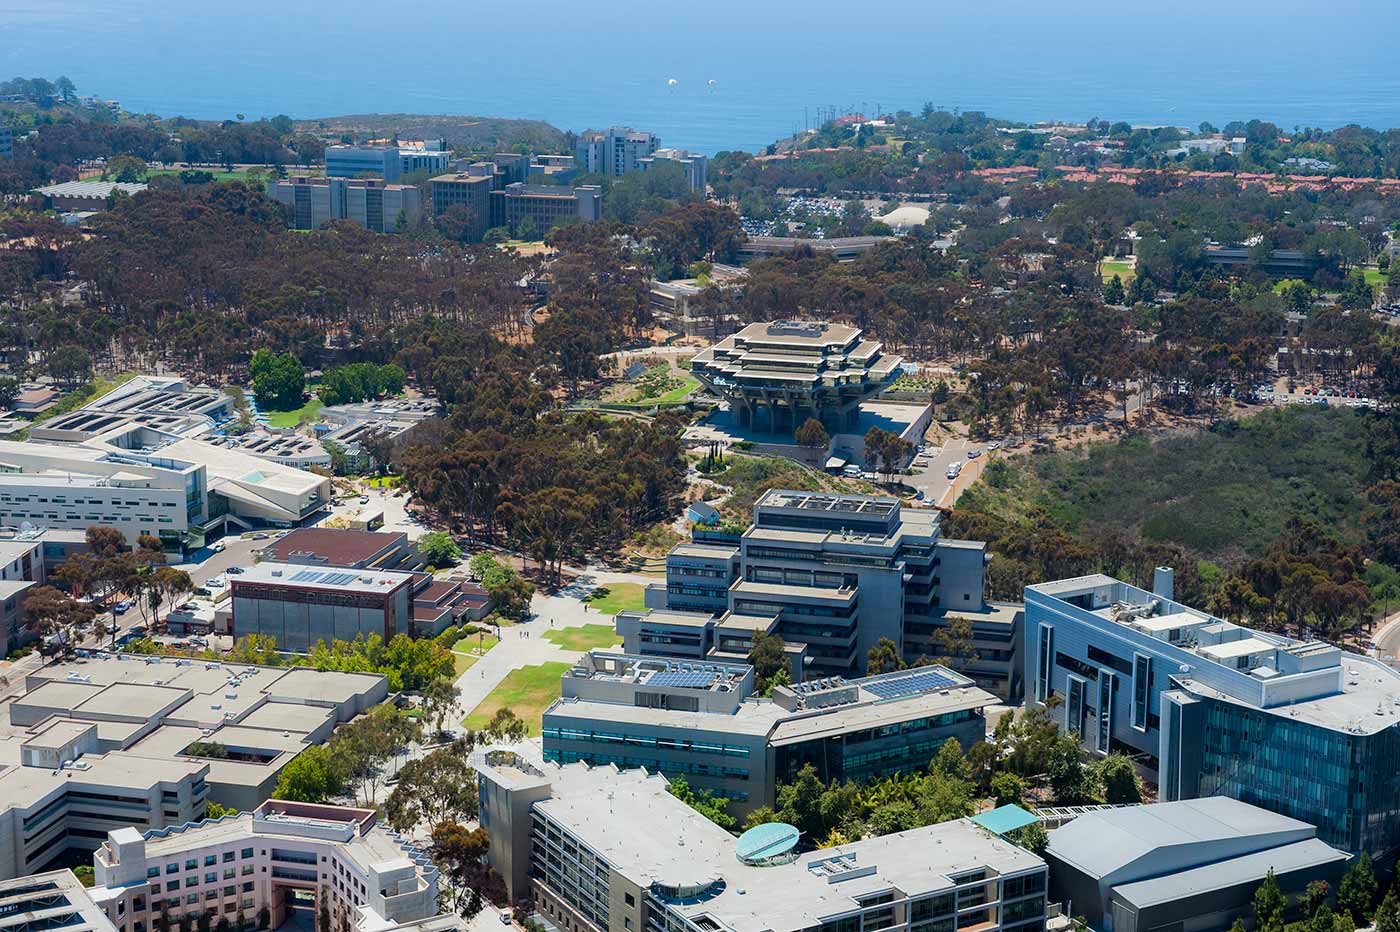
[933, 479]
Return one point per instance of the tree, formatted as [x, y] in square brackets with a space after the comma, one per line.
[1034, 838]
[9, 391]
[769, 660]
[1007, 788]
[1387, 918]
[1315, 894]
[439, 699]
[1113, 292]
[439, 787]
[279, 380]
[506, 726]
[710, 805]
[460, 853]
[813, 436]
[56, 615]
[1356, 894]
[311, 777]
[323, 917]
[1120, 781]
[70, 366]
[439, 549]
[264, 917]
[216, 811]
[883, 658]
[1268, 905]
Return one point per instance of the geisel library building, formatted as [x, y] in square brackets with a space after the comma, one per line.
[777, 375]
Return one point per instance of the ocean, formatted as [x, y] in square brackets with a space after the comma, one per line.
[724, 74]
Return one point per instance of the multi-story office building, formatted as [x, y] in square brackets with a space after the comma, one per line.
[300, 605]
[535, 209]
[164, 403]
[614, 151]
[831, 575]
[156, 721]
[58, 896]
[375, 205]
[21, 569]
[278, 857]
[470, 189]
[388, 162]
[599, 850]
[141, 480]
[694, 165]
[777, 375]
[358, 550]
[699, 720]
[59, 792]
[1300, 728]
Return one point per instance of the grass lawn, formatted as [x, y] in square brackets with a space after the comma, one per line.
[310, 411]
[585, 638]
[219, 174]
[618, 597]
[674, 396]
[1375, 276]
[1120, 267]
[384, 482]
[469, 643]
[526, 692]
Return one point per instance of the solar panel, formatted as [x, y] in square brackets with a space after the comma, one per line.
[338, 579]
[911, 685]
[681, 678]
[306, 576]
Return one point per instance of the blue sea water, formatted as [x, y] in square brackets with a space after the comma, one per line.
[746, 72]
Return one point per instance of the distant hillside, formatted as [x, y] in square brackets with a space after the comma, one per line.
[469, 132]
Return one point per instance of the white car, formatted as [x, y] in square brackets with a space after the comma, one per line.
[973, 453]
[364, 499]
[216, 583]
[218, 546]
[994, 445]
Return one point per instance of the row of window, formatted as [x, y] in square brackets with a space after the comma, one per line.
[650, 741]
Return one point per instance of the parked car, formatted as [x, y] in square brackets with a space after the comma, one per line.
[218, 546]
[364, 499]
[974, 453]
[994, 445]
[234, 570]
[505, 916]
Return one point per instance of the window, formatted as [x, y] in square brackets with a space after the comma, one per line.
[246, 853]
[1142, 673]
[171, 886]
[228, 856]
[1074, 706]
[211, 877]
[153, 872]
[629, 899]
[210, 860]
[1106, 684]
[191, 864]
[172, 868]
[1047, 651]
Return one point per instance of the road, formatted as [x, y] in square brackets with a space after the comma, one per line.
[1387, 637]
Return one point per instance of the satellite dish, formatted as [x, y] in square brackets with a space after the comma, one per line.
[25, 527]
[671, 82]
[712, 82]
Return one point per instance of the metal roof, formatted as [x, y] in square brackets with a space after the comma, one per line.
[1220, 875]
[1005, 819]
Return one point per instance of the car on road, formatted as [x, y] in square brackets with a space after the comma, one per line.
[505, 916]
[234, 570]
[261, 535]
[974, 453]
[364, 499]
[954, 470]
[218, 546]
[121, 608]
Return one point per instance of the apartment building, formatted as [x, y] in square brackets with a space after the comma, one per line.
[59, 792]
[614, 151]
[603, 850]
[700, 720]
[1300, 728]
[279, 857]
[694, 165]
[388, 162]
[831, 575]
[375, 205]
[156, 719]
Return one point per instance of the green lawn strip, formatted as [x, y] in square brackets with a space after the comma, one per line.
[619, 597]
[585, 638]
[294, 417]
[527, 692]
[1111, 267]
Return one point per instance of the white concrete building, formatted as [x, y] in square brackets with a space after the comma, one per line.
[278, 857]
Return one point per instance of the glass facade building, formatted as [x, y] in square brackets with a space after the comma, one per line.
[1300, 728]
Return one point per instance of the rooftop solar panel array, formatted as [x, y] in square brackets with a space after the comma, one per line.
[911, 685]
[682, 678]
[324, 578]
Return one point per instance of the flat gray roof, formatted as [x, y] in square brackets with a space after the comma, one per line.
[1220, 875]
[1108, 841]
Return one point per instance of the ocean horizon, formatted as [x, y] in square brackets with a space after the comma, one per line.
[744, 75]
